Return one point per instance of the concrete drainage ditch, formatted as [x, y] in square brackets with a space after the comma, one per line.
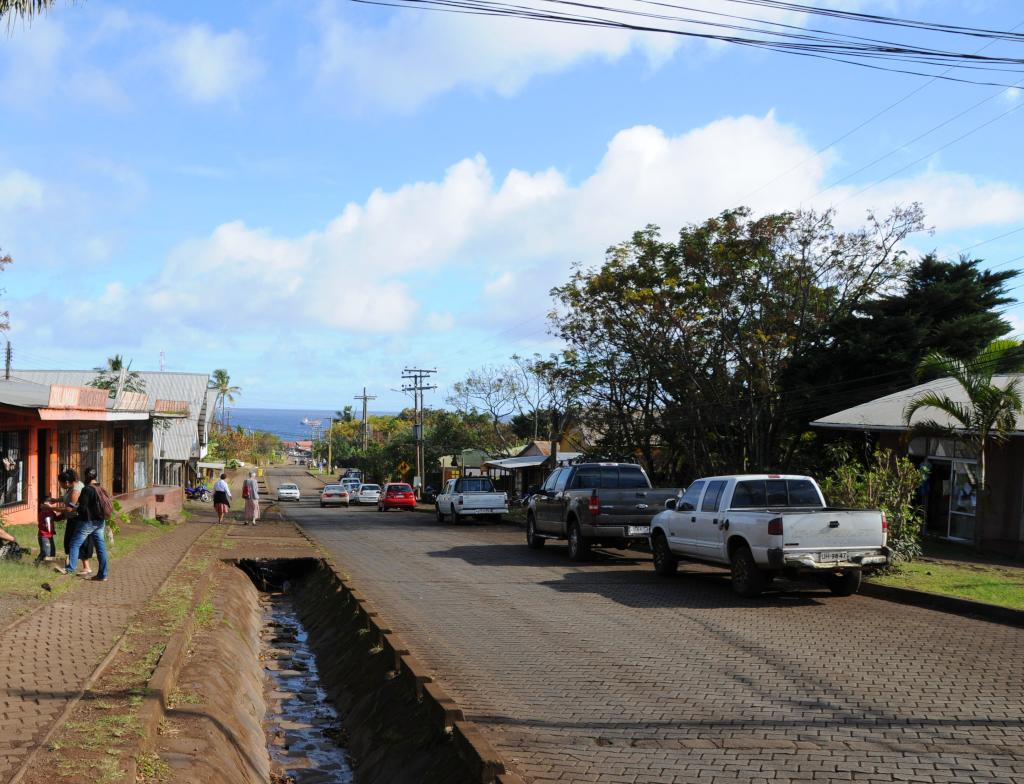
[303, 682]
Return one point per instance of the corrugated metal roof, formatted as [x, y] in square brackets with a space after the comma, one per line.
[180, 439]
[886, 413]
[23, 394]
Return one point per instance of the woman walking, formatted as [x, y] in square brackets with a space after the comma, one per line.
[91, 525]
[221, 497]
[68, 511]
[251, 494]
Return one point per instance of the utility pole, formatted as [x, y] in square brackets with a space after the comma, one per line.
[330, 444]
[8, 356]
[363, 429]
[418, 376]
[163, 361]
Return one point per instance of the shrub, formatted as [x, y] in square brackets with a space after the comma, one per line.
[884, 482]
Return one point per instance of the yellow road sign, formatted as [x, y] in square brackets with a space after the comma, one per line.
[403, 468]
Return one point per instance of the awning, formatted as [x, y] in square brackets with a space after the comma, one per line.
[514, 463]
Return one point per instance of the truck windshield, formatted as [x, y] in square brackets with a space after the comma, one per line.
[475, 485]
[765, 493]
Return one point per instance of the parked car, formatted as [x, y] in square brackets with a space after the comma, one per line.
[470, 496]
[288, 492]
[367, 494]
[763, 525]
[396, 495]
[603, 504]
[334, 495]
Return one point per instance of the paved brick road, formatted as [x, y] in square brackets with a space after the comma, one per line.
[606, 673]
[46, 657]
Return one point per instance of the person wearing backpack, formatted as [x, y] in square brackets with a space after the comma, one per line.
[251, 494]
[94, 508]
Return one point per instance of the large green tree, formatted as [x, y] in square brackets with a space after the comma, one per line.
[946, 307]
[679, 349]
[985, 413]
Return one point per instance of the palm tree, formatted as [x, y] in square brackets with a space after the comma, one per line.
[225, 392]
[987, 416]
[23, 9]
[118, 377]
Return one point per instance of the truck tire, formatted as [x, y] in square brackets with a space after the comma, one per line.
[845, 584]
[665, 561]
[440, 514]
[747, 579]
[533, 541]
[579, 547]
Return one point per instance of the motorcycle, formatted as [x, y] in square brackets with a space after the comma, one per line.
[199, 493]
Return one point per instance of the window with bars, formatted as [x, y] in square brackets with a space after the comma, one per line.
[65, 457]
[13, 453]
[140, 451]
[90, 452]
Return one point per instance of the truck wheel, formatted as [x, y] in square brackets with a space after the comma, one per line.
[440, 514]
[845, 584]
[747, 579]
[579, 547]
[665, 561]
[533, 541]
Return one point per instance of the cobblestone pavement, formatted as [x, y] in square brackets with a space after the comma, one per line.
[603, 672]
[46, 657]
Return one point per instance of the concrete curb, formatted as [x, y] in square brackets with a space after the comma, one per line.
[947, 604]
[484, 763]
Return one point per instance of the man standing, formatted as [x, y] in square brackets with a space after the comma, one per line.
[251, 494]
[91, 525]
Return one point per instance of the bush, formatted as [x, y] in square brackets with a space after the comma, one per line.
[887, 483]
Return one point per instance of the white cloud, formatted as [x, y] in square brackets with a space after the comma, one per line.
[489, 247]
[1011, 94]
[19, 191]
[207, 66]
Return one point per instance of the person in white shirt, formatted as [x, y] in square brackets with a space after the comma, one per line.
[221, 497]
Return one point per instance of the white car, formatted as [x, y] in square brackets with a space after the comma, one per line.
[367, 494]
[288, 492]
[334, 495]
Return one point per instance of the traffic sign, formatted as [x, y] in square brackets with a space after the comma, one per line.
[403, 468]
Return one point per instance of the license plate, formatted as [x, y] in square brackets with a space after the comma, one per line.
[638, 530]
[831, 557]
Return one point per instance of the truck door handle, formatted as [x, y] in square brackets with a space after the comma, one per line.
[725, 525]
[693, 519]
[714, 521]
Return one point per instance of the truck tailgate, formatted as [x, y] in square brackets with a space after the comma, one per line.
[631, 507]
[482, 501]
[838, 529]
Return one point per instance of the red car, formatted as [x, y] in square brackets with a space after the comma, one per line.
[396, 495]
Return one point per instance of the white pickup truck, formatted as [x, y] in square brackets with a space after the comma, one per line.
[762, 525]
[470, 496]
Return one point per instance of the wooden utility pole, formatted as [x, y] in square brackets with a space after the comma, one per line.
[418, 376]
[365, 432]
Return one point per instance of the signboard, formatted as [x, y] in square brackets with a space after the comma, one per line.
[403, 468]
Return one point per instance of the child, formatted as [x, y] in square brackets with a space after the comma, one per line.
[46, 527]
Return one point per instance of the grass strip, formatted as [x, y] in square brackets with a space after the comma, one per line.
[979, 582]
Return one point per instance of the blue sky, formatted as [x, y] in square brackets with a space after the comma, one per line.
[314, 195]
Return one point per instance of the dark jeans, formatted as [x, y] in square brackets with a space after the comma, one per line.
[46, 548]
[94, 530]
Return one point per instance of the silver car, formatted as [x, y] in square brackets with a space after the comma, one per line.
[367, 494]
[288, 492]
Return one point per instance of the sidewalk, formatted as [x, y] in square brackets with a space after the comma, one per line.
[47, 657]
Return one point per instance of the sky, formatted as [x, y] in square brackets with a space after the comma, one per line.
[314, 195]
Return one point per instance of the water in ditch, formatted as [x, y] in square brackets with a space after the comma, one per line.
[303, 730]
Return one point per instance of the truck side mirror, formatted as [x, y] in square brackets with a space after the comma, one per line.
[670, 503]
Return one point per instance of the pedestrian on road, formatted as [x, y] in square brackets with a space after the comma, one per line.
[69, 502]
[221, 497]
[251, 494]
[92, 525]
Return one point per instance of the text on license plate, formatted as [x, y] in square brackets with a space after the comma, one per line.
[829, 557]
[638, 530]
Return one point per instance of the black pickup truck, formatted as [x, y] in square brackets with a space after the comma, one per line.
[604, 504]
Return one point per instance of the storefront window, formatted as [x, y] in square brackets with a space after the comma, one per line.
[12, 467]
[90, 451]
[140, 450]
[963, 500]
[65, 456]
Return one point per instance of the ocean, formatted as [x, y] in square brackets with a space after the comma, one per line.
[283, 422]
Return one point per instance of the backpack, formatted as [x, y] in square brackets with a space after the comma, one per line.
[246, 490]
[104, 503]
